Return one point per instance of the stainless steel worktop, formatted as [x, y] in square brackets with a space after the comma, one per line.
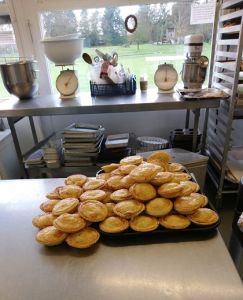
[85, 104]
[176, 268]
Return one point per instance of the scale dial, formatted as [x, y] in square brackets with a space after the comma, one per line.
[67, 83]
[165, 77]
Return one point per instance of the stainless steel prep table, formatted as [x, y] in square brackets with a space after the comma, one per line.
[151, 100]
[175, 269]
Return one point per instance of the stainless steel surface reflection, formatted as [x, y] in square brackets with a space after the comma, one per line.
[170, 269]
[85, 104]
[193, 75]
[20, 78]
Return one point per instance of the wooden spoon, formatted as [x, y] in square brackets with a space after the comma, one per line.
[87, 58]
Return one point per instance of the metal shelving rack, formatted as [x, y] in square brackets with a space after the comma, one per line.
[227, 46]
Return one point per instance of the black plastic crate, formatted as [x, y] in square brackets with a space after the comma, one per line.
[126, 88]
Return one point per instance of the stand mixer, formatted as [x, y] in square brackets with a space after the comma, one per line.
[194, 68]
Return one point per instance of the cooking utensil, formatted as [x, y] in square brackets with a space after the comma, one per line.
[20, 78]
[114, 59]
[87, 58]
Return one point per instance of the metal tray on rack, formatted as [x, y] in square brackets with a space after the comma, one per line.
[207, 93]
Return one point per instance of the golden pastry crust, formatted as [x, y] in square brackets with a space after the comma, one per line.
[186, 205]
[120, 195]
[129, 209]
[50, 236]
[161, 178]
[174, 221]
[43, 220]
[131, 160]
[69, 223]
[84, 238]
[76, 179]
[110, 206]
[180, 176]
[204, 216]
[67, 205]
[143, 191]
[107, 196]
[145, 172]
[160, 155]
[126, 169]
[103, 176]
[70, 191]
[48, 205]
[54, 195]
[94, 184]
[144, 223]
[187, 188]
[109, 168]
[127, 182]
[205, 200]
[163, 165]
[175, 167]
[170, 190]
[93, 211]
[116, 172]
[159, 207]
[114, 224]
[98, 195]
[195, 186]
[114, 182]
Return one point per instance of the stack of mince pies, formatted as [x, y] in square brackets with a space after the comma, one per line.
[134, 193]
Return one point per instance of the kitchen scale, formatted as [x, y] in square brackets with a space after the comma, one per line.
[67, 83]
[165, 78]
[63, 51]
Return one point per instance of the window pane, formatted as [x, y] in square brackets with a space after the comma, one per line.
[158, 38]
[8, 48]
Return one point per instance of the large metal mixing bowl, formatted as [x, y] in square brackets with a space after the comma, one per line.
[20, 78]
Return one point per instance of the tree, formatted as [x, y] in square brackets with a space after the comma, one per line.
[84, 23]
[94, 29]
[143, 31]
[181, 19]
[57, 23]
[113, 26]
[152, 23]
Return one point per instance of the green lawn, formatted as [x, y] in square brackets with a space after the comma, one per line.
[130, 57]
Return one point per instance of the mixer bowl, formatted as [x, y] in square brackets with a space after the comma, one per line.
[63, 50]
[20, 78]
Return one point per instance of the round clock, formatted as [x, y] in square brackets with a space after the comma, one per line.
[165, 78]
[67, 83]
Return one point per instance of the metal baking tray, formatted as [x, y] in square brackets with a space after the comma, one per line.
[208, 93]
[194, 231]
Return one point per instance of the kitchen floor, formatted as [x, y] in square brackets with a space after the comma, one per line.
[226, 214]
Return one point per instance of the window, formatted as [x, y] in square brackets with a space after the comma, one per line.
[158, 38]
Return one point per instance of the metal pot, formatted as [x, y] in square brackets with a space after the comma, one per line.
[20, 78]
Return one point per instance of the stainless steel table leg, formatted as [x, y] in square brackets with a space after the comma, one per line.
[187, 118]
[32, 126]
[17, 147]
[195, 129]
[205, 127]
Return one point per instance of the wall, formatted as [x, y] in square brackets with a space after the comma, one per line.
[156, 123]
